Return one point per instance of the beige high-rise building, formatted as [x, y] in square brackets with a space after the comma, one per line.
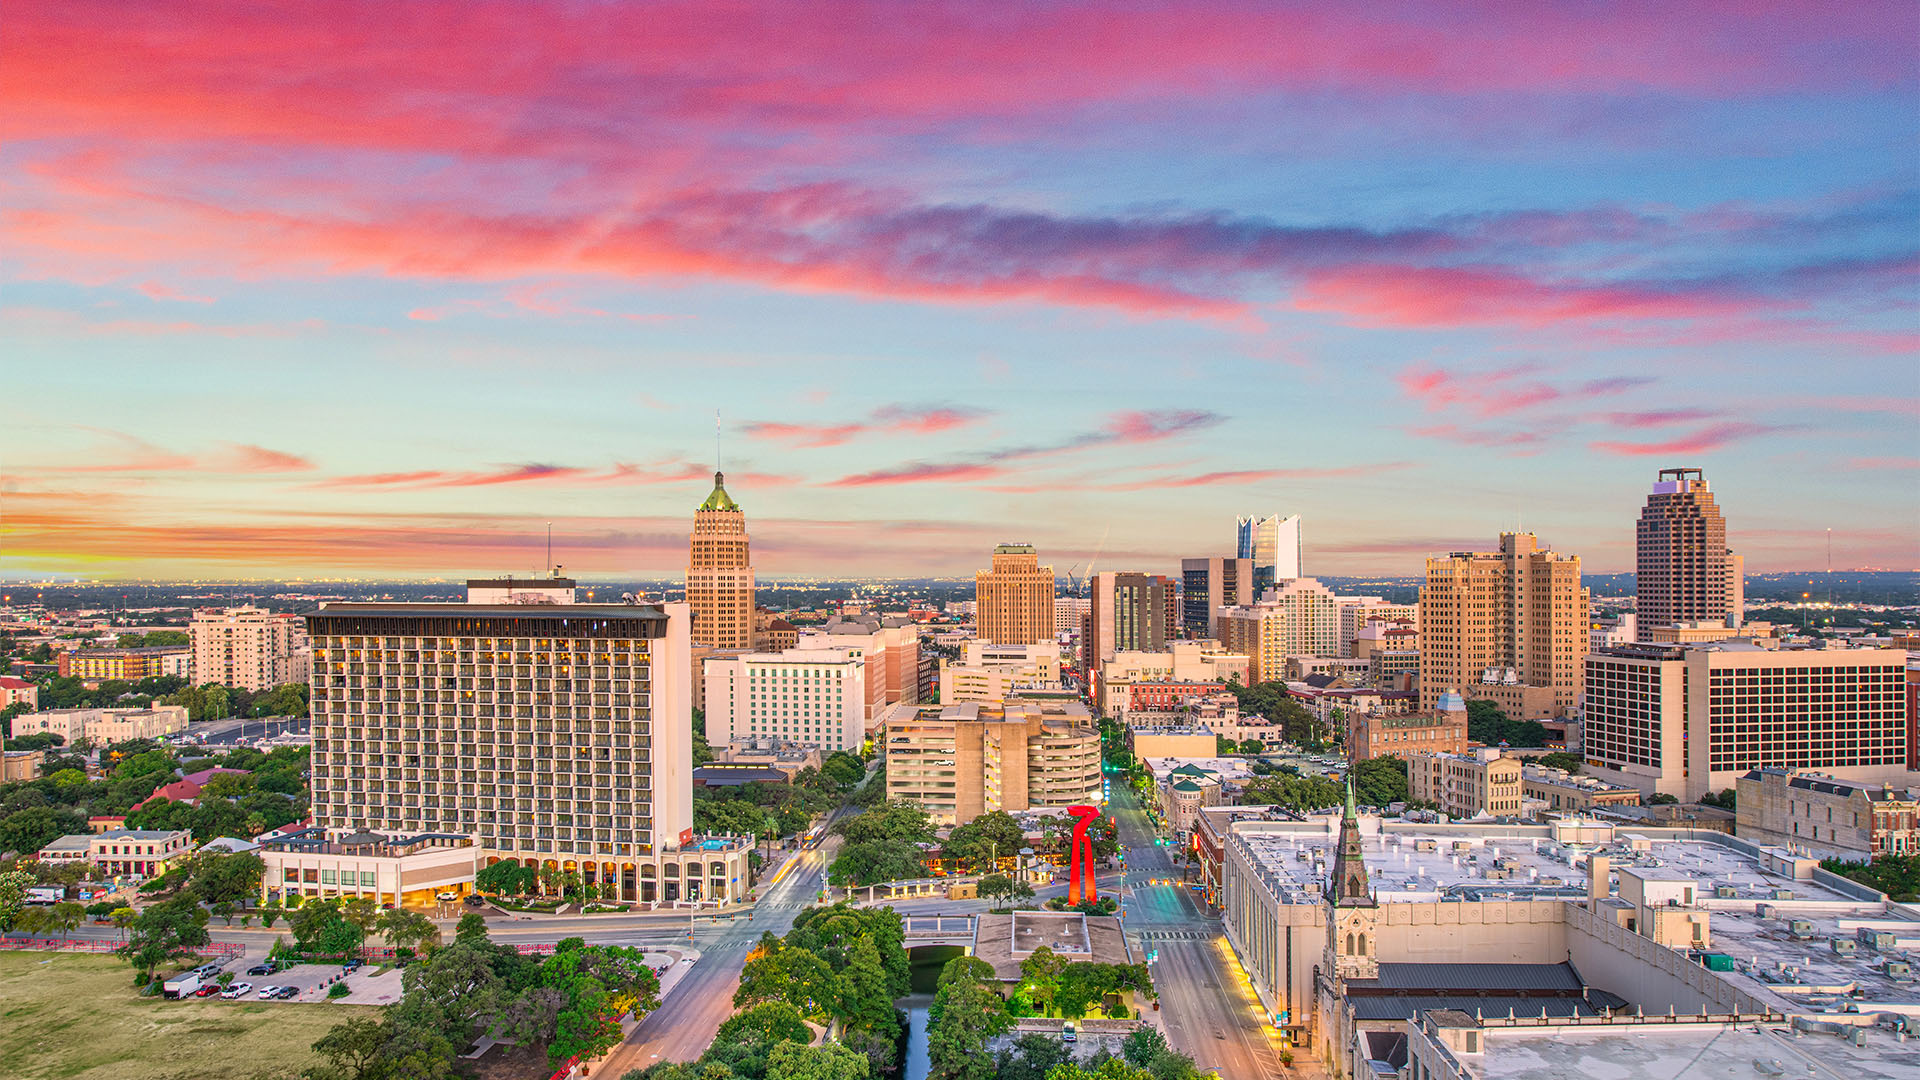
[720, 573]
[248, 647]
[1685, 574]
[1684, 720]
[1298, 617]
[959, 761]
[1014, 600]
[556, 734]
[1507, 626]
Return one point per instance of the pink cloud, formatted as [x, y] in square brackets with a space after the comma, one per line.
[1706, 439]
[1659, 417]
[245, 457]
[1452, 297]
[160, 291]
[1254, 476]
[889, 419]
[1502, 391]
[1883, 463]
[926, 472]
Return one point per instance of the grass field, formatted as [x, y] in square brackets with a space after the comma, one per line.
[74, 1015]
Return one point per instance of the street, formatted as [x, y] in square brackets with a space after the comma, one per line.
[1206, 1007]
[682, 1028]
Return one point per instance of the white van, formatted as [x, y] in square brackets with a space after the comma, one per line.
[181, 985]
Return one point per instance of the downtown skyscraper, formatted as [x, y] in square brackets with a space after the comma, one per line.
[1013, 600]
[720, 572]
[1273, 543]
[1684, 571]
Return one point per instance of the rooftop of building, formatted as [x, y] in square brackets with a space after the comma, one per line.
[544, 612]
[718, 499]
[1416, 862]
[1225, 768]
[1790, 956]
[1546, 774]
[524, 583]
[144, 650]
[1829, 785]
[1683, 1048]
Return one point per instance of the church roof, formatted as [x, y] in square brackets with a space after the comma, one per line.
[719, 499]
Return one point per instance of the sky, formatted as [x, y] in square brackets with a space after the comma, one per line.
[382, 289]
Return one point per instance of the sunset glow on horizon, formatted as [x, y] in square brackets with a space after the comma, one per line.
[382, 289]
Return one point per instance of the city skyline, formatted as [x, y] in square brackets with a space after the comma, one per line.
[1011, 278]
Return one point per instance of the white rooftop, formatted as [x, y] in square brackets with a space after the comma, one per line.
[1688, 1052]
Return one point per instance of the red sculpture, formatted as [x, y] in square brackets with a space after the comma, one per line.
[1081, 869]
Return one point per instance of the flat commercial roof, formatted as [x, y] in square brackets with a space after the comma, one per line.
[1689, 1051]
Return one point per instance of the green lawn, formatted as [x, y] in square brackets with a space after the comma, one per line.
[76, 1015]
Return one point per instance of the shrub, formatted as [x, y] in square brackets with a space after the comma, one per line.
[338, 990]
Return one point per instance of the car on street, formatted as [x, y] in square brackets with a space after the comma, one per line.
[236, 990]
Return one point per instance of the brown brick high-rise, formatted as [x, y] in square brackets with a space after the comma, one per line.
[1685, 572]
[720, 573]
[1013, 602]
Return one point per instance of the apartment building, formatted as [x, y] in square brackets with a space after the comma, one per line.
[103, 727]
[1068, 613]
[991, 672]
[1685, 572]
[557, 734]
[18, 692]
[1128, 612]
[817, 697]
[1508, 626]
[17, 766]
[1202, 664]
[1206, 586]
[1359, 612]
[248, 647]
[889, 647]
[1441, 730]
[959, 761]
[719, 583]
[1013, 599]
[1483, 783]
[141, 852]
[1296, 617]
[1827, 817]
[1571, 793]
[1686, 720]
[127, 664]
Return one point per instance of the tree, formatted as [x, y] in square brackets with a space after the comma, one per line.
[470, 929]
[1561, 760]
[165, 931]
[966, 1013]
[1661, 798]
[994, 834]
[13, 896]
[1725, 800]
[1032, 1056]
[355, 1050]
[1253, 746]
[29, 830]
[1002, 886]
[446, 996]
[793, 1061]
[1224, 746]
[793, 975]
[224, 877]
[769, 1021]
[1040, 976]
[861, 998]
[1143, 1045]
[1488, 724]
[1379, 781]
[362, 912]
[405, 929]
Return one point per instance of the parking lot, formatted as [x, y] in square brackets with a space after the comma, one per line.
[364, 986]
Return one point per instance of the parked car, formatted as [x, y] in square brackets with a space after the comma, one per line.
[237, 990]
[207, 971]
[207, 990]
[269, 992]
[286, 992]
[1068, 1034]
[447, 897]
[352, 966]
[476, 900]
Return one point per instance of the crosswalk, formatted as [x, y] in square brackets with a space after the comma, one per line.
[1176, 935]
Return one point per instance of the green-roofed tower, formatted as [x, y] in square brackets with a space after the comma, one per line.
[720, 572]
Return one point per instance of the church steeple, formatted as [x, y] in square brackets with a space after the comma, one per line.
[1349, 885]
